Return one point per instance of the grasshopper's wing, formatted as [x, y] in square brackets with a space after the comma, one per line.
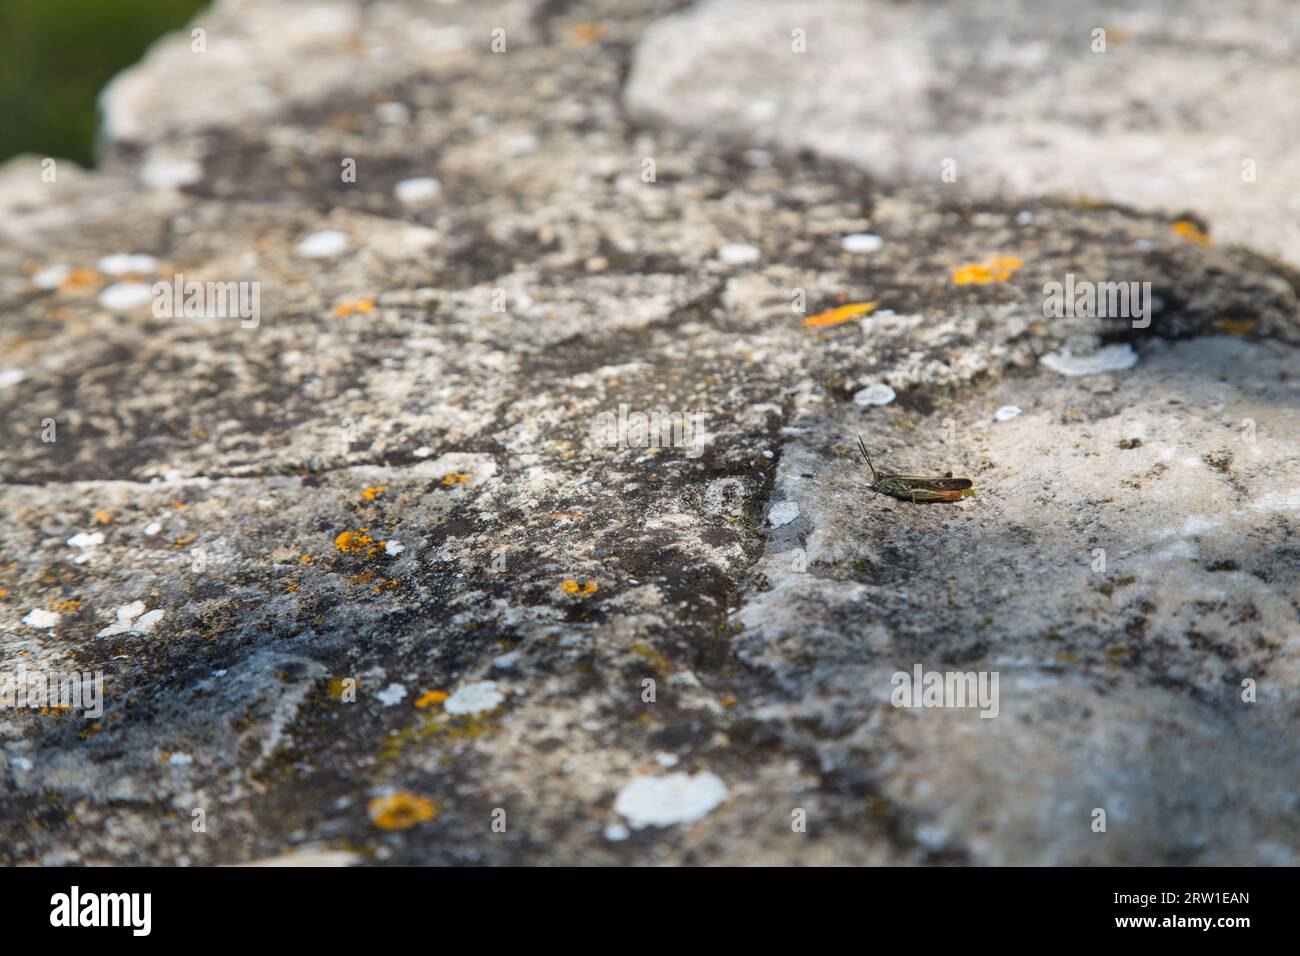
[922, 495]
[937, 484]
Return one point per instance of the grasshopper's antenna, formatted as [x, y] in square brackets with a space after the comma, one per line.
[867, 457]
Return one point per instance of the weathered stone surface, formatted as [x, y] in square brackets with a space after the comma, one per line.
[388, 480]
[1012, 92]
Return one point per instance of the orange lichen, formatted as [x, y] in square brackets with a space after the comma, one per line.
[68, 606]
[585, 34]
[349, 542]
[995, 270]
[401, 810]
[304, 559]
[102, 517]
[838, 316]
[455, 478]
[373, 492]
[573, 587]
[348, 308]
[80, 279]
[429, 698]
[293, 587]
[386, 585]
[1190, 230]
[1242, 327]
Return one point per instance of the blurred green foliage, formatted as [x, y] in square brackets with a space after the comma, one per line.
[56, 55]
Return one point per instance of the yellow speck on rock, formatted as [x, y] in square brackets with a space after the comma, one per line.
[838, 316]
[348, 308]
[1190, 230]
[430, 698]
[455, 478]
[573, 587]
[373, 492]
[995, 270]
[102, 517]
[400, 811]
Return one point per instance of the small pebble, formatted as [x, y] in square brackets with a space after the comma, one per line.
[393, 113]
[51, 277]
[879, 394]
[322, 245]
[521, 145]
[420, 190]
[861, 242]
[738, 254]
[171, 173]
[122, 263]
[124, 296]
[84, 540]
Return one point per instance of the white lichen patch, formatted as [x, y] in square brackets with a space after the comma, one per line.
[393, 547]
[476, 698]
[667, 801]
[85, 540]
[132, 619]
[392, 694]
[41, 619]
[1007, 412]
[782, 513]
[1112, 358]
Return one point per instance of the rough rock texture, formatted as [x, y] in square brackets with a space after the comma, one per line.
[398, 478]
[1189, 105]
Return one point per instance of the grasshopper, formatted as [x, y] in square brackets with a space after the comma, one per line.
[913, 489]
